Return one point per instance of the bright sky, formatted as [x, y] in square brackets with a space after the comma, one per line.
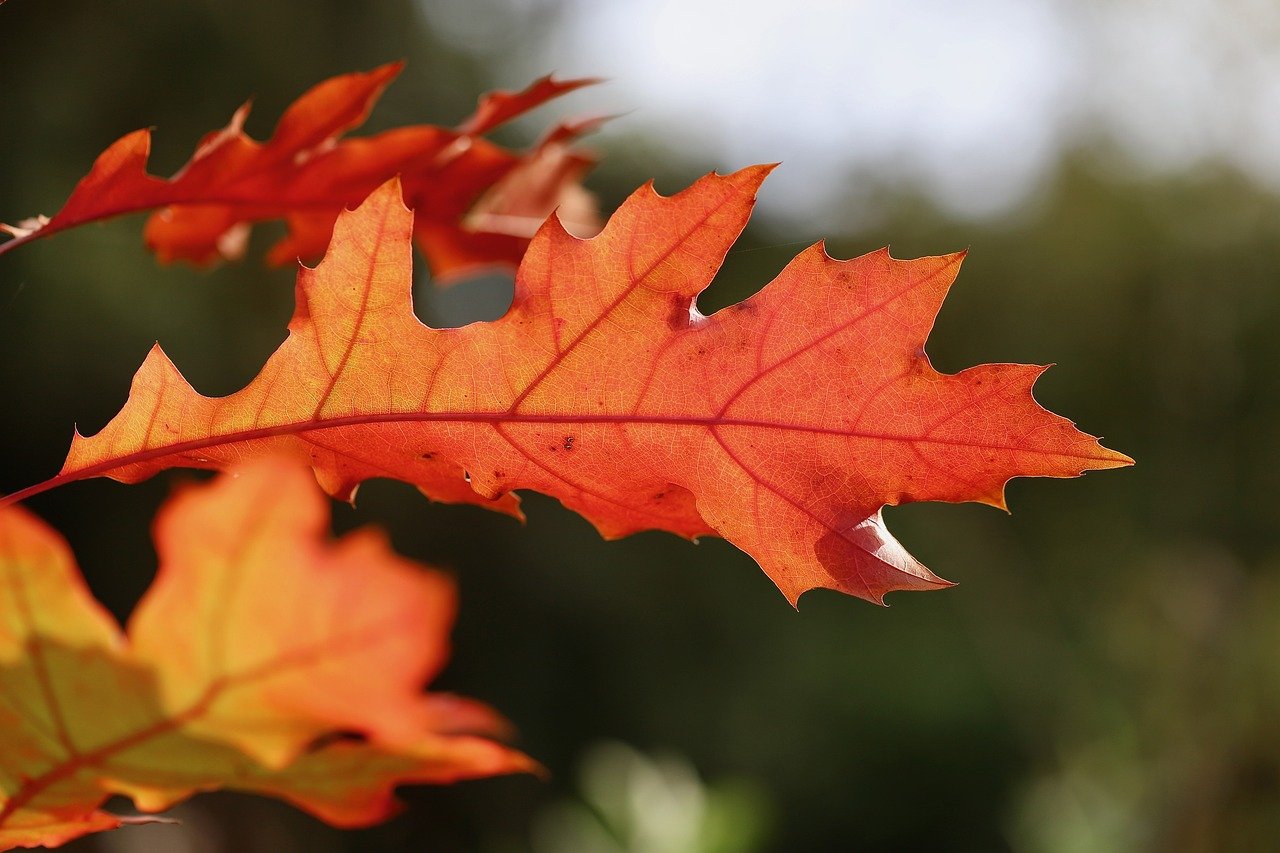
[972, 100]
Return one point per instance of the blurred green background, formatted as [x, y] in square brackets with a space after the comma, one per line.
[1107, 674]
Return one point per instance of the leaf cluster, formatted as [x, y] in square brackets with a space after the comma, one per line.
[784, 423]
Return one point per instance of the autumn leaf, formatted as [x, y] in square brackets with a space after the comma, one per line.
[783, 423]
[263, 658]
[478, 203]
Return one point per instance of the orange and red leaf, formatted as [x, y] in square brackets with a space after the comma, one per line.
[306, 174]
[783, 423]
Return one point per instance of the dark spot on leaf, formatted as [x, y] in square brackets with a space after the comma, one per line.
[679, 317]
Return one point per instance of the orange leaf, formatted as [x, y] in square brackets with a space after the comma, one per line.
[783, 423]
[263, 658]
[306, 175]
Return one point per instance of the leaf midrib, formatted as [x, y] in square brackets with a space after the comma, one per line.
[505, 417]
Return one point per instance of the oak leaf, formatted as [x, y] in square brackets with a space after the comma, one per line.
[783, 423]
[478, 203]
[263, 658]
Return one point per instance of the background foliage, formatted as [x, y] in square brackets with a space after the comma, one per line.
[1105, 677]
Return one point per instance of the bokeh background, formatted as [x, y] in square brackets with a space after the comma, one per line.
[1106, 676]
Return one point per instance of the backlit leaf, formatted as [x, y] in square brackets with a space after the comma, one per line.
[479, 203]
[263, 658]
[783, 423]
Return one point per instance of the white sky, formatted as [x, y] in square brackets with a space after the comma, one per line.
[971, 100]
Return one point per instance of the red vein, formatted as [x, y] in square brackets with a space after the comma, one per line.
[641, 510]
[972, 403]
[38, 784]
[841, 327]
[361, 312]
[34, 786]
[503, 417]
[737, 460]
[636, 280]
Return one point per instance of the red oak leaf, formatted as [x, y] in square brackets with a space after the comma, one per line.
[783, 423]
[479, 203]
